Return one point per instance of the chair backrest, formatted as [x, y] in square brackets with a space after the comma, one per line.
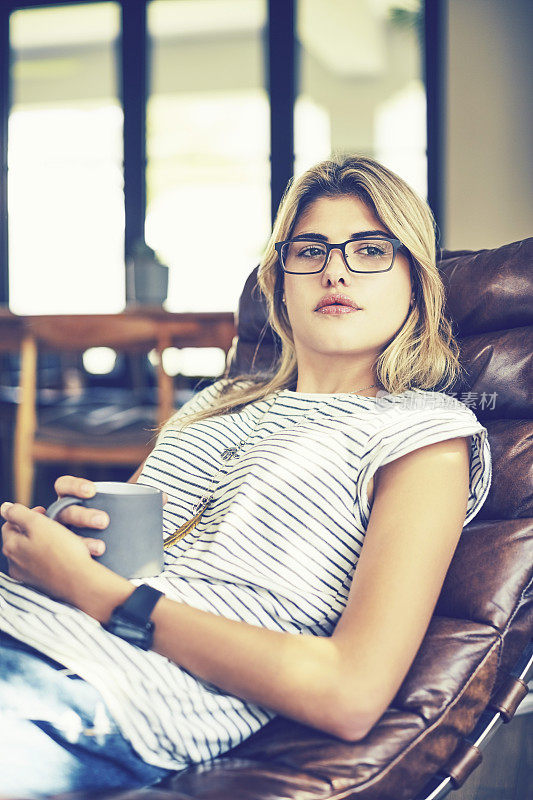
[483, 620]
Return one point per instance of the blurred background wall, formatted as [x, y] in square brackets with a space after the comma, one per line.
[488, 177]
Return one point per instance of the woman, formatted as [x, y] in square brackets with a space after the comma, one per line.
[349, 454]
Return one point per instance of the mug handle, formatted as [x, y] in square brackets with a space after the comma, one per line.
[57, 506]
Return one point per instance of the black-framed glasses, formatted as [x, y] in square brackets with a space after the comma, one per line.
[367, 254]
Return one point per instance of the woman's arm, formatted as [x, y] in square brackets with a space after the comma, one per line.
[290, 674]
[418, 513]
[339, 684]
[344, 683]
[287, 673]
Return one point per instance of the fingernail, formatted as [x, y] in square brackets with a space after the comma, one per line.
[5, 507]
[87, 489]
[98, 548]
[99, 519]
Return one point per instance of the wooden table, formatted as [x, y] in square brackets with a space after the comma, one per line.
[136, 329]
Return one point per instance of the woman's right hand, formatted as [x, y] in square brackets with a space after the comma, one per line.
[80, 516]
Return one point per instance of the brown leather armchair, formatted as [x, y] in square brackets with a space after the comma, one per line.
[471, 671]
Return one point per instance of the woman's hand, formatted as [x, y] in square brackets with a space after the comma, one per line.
[44, 554]
[79, 516]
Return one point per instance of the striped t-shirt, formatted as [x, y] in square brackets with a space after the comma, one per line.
[276, 547]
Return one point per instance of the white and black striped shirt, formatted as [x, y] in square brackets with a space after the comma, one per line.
[276, 547]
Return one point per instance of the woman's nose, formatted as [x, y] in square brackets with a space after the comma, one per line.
[335, 264]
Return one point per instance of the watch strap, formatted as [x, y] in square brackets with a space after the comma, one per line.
[131, 620]
[140, 603]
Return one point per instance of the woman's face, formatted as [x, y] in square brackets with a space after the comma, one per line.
[383, 298]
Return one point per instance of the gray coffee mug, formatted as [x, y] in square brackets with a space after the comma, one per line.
[134, 536]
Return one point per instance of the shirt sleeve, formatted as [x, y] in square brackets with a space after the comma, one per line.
[423, 427]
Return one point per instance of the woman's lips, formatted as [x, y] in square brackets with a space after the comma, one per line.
[335, 310]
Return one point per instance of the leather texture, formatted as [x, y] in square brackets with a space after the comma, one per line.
[484, 616]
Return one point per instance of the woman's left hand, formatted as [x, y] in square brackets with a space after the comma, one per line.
[43, 553]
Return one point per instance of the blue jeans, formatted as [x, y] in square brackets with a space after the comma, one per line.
[56, 733]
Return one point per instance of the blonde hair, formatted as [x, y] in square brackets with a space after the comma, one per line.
[423, 354]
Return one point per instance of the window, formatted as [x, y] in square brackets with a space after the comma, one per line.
[65, 183]
[212, 142]
[361, 89]
[208, 145]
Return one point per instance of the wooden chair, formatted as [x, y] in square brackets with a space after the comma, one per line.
[132, 332]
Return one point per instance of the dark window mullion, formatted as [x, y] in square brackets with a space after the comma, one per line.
[134, 93]
[282, 89]
[5, 100]
[434, 67]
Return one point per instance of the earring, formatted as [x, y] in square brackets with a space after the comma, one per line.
[283, 299]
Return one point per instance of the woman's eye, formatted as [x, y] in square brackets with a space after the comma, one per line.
[311, 252]
[372, 250]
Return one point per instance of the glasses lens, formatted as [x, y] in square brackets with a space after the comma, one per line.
[303, 256]
[369, 255]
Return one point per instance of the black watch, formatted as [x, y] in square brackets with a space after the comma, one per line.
[131, 620]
